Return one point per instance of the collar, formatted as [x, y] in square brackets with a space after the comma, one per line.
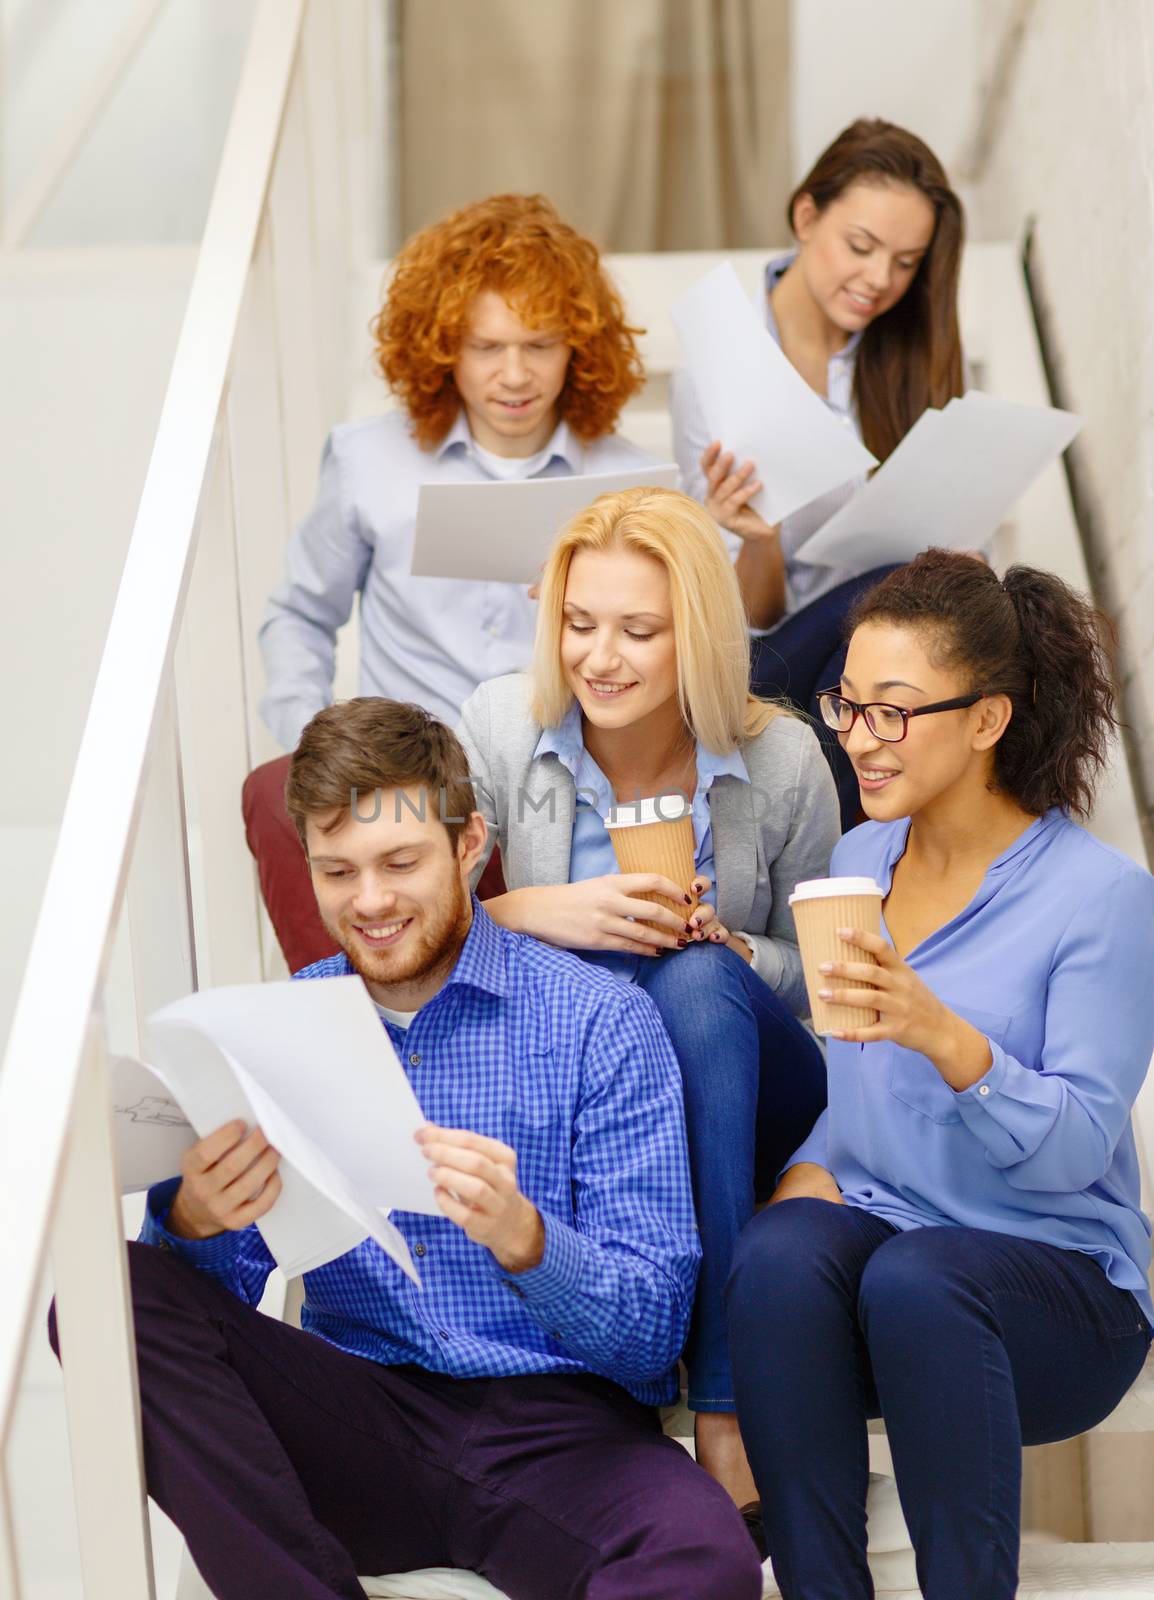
[566, 742]
[774, 273]
[894, 845]
[561, 446]
[481, 963]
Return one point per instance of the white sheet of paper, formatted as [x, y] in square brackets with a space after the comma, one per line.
[756, 402]
[949, 483]
[502, 531]
[322, 1053]
[150, 1131]
[315, 1219]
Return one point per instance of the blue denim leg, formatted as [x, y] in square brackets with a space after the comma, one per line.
[804, 1392]
[969, 1343]
[754, 1085]
[980, 1343]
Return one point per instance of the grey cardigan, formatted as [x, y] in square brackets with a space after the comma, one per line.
[768, 834]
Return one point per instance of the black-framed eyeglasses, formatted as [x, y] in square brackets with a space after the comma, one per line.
[885, 722]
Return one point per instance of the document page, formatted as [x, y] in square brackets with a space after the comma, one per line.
[312, 1066]
[949, 483]
[756, 402]
[502, 531]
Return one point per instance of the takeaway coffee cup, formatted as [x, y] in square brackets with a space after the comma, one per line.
[656, 835]
[820, 907]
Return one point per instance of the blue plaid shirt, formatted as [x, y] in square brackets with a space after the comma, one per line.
[574, 1070]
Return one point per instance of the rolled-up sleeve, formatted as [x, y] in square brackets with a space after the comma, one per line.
[615, 1285]
[1056, 1128]
[328, 560]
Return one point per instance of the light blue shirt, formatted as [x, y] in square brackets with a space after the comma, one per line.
[592, 854]
[1052, 962]
[429, 640]
[804, 582]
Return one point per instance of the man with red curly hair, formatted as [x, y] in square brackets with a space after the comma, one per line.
[508, 349]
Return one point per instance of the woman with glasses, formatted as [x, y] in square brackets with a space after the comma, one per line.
[640, 687]
[958, 1246]
[865, 307]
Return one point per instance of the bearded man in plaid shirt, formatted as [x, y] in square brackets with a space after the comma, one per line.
[502, 1416]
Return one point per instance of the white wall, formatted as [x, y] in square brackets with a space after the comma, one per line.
[146, 174]
[914, 62]
[1074, 150]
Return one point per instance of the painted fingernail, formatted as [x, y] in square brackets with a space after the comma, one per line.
[825, 966]
[689, 927]
[695, 922]
[825, 994]
[681, 944]
[715, 936]
[688, 899]
[845, 933]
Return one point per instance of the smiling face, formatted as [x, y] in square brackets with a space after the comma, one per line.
[618, 650]
[392, 890]
[943, 753]
[509, 378]
[860, 255]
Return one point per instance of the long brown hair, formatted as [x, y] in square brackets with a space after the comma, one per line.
[911, 356]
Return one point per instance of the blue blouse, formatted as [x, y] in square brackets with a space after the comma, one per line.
[1052, 960]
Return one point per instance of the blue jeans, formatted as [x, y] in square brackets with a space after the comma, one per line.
[806, 653]
[754, 1084]
[969, 1344]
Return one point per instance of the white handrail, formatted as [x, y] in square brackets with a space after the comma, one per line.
[52, 1041]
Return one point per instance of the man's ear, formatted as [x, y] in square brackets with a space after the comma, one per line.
[471, 842]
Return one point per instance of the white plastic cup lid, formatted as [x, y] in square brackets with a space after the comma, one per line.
[642, 813]
[829, 888]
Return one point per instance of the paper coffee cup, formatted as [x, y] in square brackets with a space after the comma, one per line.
[820, 907]
[656, 835]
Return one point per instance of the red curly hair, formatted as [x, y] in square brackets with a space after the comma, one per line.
[550, 276]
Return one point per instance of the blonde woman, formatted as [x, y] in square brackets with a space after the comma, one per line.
[639, 688]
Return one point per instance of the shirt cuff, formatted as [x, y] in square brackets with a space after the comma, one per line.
[219, 1251]
[768, 961]
[980, 1105]
[558, 1272]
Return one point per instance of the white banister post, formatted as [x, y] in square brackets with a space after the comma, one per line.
[99, 1355]
[211, 698]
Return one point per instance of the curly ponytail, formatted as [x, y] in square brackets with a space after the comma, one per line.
[1031, 637]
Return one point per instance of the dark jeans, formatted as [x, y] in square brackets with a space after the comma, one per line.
[754, 1084]
[290, 1467]
[969, 1344]
[807, 653]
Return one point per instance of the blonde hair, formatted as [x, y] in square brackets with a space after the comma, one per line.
[710, 631]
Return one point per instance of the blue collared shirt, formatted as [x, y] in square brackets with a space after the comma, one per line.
[429, 640]
[591, 854]
[804, 582]
[534, 1047]
[1051, 961]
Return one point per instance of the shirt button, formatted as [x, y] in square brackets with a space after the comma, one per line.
[441, 1334]
[414, 1060]
[516, 1289]
[983, 1088]
[493, 630]
[419, 1249]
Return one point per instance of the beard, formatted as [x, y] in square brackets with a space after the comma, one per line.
[430, 947]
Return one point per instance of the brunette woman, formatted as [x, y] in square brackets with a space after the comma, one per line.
[958, 1246]
[866, 309]
[640, 688]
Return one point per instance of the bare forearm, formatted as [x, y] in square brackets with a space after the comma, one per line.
[760, 568]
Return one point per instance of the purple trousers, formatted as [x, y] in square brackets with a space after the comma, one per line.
[290, 1466]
